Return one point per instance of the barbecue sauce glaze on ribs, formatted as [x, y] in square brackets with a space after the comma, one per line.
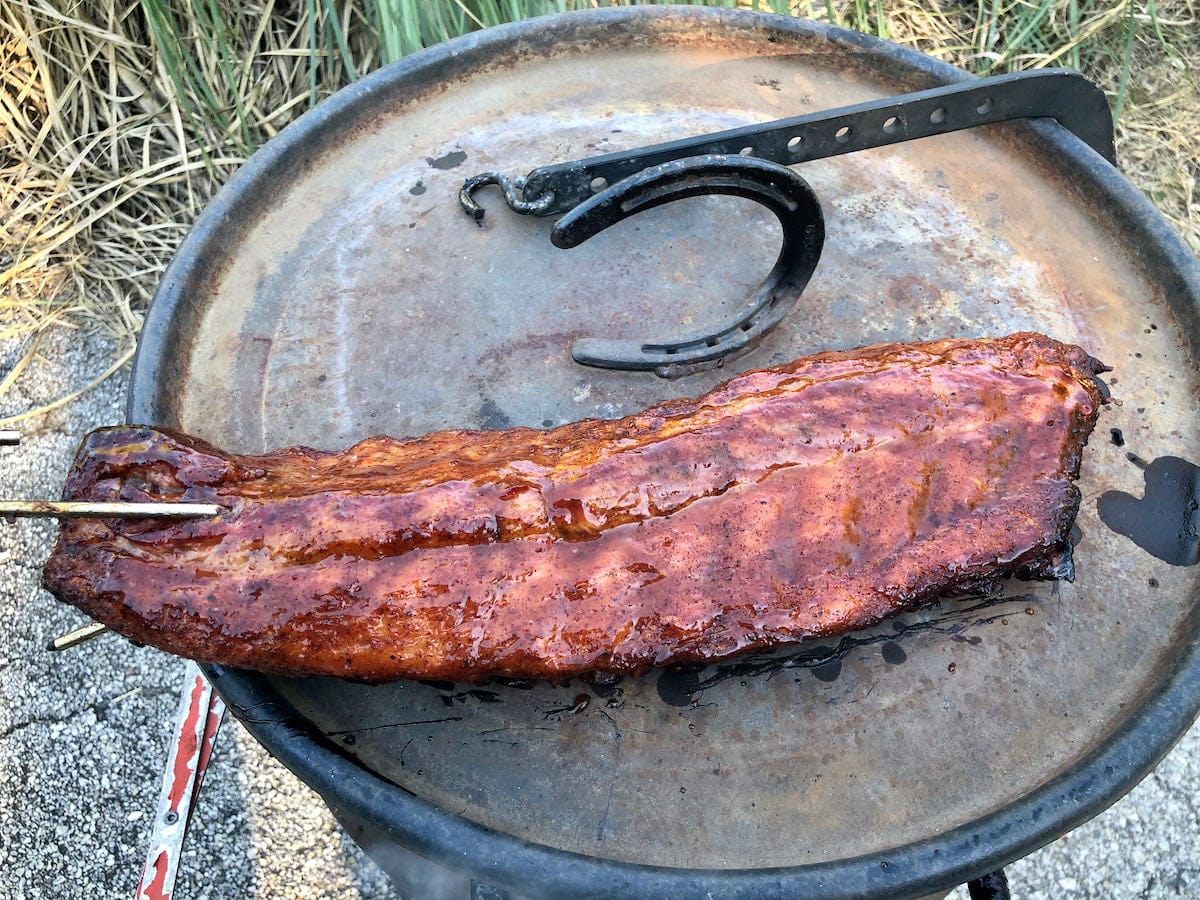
[799, 501]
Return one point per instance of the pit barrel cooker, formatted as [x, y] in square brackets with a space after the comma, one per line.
[334, 290]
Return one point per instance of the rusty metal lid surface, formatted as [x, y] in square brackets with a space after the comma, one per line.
[334, 291]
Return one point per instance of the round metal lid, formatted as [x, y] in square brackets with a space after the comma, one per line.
[334, 290]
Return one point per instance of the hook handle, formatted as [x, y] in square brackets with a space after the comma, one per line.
[776, 187]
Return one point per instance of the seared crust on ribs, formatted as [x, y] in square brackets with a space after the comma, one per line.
[792, 502]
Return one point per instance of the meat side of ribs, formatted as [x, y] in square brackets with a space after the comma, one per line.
[799, 501]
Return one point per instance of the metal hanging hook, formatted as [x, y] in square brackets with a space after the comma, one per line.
[514, 195]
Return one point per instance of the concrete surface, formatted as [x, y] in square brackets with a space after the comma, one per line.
[83, 739]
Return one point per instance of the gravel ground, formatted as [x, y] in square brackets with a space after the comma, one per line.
[83, 738]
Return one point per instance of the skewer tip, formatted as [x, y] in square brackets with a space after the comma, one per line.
[76, 637]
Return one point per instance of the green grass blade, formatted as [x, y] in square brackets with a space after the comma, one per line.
[314, 50]
[334, 25]
[1126, 60]
[225, 56]
[165, 35]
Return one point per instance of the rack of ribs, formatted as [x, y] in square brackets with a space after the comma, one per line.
[799, 501]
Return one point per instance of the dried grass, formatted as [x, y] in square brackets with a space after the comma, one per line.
[119, 120]
[1158, 138]
[109, 152]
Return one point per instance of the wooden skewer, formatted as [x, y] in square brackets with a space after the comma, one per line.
[77, 637]
[89, 509]
[72, 509]
[84, 509]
